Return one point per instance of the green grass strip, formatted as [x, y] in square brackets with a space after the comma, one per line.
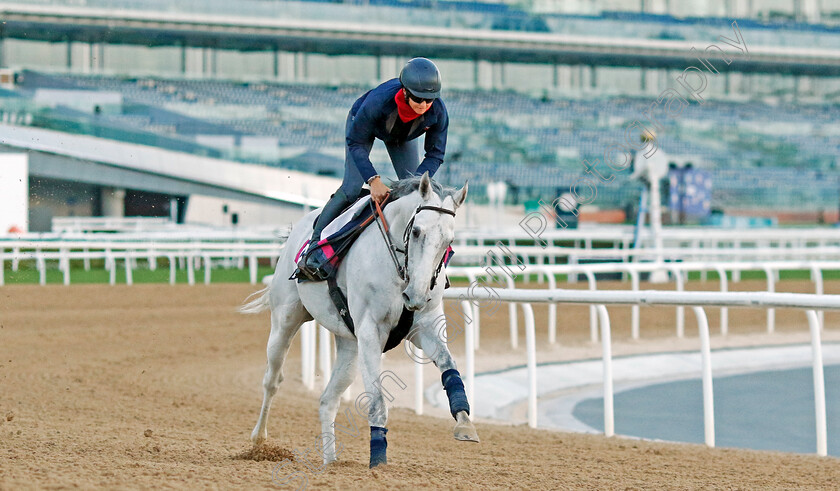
[78, 276]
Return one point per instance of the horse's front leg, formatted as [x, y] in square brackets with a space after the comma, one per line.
[370, 360]
[341, 378]
[427, 334]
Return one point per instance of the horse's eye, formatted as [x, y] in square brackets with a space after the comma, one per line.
[415, 232]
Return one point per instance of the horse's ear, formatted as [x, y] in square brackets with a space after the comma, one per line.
[461, 195]
[425, 187]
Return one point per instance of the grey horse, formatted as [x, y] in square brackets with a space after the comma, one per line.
[376, 295]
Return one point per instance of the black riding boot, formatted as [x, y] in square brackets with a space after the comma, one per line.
[337, 203]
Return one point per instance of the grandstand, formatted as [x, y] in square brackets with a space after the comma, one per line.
[750, 147]
[769, 140]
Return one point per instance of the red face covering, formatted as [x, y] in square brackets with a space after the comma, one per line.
[406, 113]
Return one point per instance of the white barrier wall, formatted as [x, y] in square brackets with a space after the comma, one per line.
[14, 192]
[210, 210]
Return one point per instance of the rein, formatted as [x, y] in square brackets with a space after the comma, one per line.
[402, 269]
[383, 229]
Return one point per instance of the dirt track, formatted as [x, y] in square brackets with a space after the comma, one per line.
[159, 386]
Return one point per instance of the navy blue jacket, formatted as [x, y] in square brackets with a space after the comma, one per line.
[375, 115]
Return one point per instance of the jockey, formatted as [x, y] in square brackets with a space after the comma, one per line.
[397, 112]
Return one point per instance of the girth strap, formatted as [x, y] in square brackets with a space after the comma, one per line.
[340, 302]
[397, 334]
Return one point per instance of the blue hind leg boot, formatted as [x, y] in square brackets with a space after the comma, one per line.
[378, 446]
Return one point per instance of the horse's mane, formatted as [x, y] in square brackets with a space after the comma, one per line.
[406, 186]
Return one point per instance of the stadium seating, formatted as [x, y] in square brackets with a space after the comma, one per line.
[755, 151]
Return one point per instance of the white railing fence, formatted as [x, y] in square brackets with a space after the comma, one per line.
[810, 303]
[109, 224]
[502, 277]
[205, 246]
[531, 254]
[672, 236]
[179, 254]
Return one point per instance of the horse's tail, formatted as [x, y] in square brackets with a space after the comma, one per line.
[256, 305]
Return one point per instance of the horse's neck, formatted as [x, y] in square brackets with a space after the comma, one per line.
[397, 214]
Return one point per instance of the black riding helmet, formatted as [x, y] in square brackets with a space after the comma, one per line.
[421, 78]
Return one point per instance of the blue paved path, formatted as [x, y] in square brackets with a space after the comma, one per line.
[659, 396]
[766, 411]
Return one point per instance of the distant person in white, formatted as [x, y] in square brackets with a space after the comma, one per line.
[650, 170]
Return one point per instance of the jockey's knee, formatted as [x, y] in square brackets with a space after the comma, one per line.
[348, 193]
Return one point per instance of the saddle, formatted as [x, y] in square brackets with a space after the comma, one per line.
[334, 243]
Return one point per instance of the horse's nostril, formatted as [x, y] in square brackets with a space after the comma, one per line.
[428, 299]
[405, 297]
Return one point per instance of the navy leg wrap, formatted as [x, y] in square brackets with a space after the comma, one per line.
[378, 446]
[455, 391]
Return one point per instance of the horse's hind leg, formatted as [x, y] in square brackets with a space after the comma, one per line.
[285, 322]
[341, 378]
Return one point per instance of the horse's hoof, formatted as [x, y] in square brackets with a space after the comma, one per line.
[258, 438]
[466, 433]
[378, 458]
[464, 429]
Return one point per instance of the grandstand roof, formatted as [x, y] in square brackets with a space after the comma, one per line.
[194, 174]
[149, 28]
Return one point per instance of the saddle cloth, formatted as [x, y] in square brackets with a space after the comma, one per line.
[337, 237]
[348, 217]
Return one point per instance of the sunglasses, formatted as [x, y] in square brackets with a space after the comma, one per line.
[419, 100]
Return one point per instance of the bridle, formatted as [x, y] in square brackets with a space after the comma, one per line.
[402, 269]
